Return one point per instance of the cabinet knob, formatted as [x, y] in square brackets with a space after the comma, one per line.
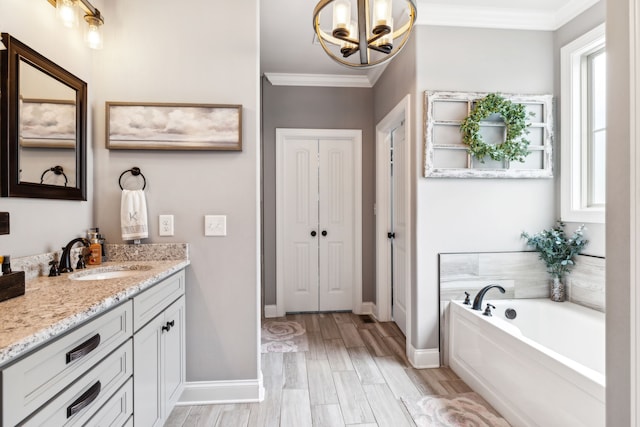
[324, 233]
[313, 233]
[167, 327]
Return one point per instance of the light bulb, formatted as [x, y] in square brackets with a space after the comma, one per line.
[93, 33]
[345, 46]
[341, 17]
[382, 15]
[68, 12]
[385, 43]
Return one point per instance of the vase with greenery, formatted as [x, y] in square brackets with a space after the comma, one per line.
[558, 252]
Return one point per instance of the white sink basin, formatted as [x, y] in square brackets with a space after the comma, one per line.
[111, 272]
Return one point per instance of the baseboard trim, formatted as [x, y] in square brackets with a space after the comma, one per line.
[367, 308]
[424, 358]
[212, 392]
[270, 311]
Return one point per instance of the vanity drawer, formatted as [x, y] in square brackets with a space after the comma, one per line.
[85, 397]
[118, 410]
[35, 379]
[154, 300]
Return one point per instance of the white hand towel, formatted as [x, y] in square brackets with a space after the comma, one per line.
[133, 215]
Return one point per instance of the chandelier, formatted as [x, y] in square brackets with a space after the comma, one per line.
[366, 35]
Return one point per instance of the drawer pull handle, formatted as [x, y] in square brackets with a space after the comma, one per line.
[84, 400]
[167, 327]
[83, 349]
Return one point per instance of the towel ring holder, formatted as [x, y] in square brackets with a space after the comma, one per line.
[58, 170]
[135, 171]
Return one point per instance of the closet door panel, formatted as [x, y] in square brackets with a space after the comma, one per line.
[301, 221]
[336, 185]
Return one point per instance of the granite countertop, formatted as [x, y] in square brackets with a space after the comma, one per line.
[53, 305]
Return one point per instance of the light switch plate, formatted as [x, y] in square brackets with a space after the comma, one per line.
[165, 225]
[215, 225]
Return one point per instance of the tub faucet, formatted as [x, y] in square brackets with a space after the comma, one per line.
[477, 302]
[65, 258]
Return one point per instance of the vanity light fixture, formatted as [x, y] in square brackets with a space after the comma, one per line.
[366, 35]
[68, 11]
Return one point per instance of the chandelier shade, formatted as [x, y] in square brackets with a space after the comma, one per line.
[363, 33]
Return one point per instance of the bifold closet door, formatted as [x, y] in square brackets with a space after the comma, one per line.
[300, 222]
[318, 220]
[336, 219]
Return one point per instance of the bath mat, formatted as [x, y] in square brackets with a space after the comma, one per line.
[283, 336]
[462, 410]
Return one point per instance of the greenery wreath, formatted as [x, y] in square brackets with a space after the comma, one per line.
[514, 147]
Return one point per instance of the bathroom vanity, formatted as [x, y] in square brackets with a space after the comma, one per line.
[104, 346]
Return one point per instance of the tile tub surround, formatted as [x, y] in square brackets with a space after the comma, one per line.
[52, 305]
[586, 282]
[522, 274]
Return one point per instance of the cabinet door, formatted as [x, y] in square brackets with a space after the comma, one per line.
[147, 374]
[173, 354]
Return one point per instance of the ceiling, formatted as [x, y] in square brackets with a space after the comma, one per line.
[288, 52]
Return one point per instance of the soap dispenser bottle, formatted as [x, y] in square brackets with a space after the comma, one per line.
[95, 248]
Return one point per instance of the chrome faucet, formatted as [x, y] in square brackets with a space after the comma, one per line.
[477, 301]
[65, 258]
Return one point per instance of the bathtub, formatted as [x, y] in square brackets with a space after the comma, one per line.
[546, 367]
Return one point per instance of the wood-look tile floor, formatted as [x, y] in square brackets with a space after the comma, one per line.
[353, 375]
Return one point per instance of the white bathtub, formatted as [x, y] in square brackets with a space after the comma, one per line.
[544, 368]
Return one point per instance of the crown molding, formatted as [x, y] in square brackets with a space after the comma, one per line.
[571, 10]
[323, 80]
[506, 18]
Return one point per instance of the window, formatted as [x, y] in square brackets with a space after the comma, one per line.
[583, 128]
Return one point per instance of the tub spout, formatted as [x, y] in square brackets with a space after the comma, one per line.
[477, 302]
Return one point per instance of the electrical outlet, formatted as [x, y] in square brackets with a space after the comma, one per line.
[165, 224]
[215, 225]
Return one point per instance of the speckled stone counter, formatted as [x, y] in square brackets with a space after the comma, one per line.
[53, 305]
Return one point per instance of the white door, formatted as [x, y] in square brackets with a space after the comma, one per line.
[399, 239]
[336, 190]
[300, 224]
[318, 207]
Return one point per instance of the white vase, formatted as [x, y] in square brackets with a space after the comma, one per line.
[557, 290]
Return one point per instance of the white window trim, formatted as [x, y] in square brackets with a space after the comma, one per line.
[572, 206]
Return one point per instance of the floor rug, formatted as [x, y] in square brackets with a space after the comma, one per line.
[283, 336]
[462, 410]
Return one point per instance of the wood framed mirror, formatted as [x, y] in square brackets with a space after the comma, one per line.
[43, 126]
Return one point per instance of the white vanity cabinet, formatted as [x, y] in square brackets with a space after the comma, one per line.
[69, 379]
[122, 367]
[159, 348]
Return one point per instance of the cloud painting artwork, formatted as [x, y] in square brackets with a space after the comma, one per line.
[174, 126]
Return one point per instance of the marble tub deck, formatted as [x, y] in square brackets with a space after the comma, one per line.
[52, 305]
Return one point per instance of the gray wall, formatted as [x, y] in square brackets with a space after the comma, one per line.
[213, 59]
[474, 215]
[451, 215]
[398, 80]
[583, 23]
[41, 225]
[619, 218]
[317, 108]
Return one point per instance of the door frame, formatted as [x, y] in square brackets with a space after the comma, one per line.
[355, 136]
[401, 112]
